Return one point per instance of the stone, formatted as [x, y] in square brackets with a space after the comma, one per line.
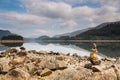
[18, 60]
[68, 54]
[42, 52]
[56, 64]
[60, 58]
[61, 65]
[11, 50]
[42, 63]
[45, 72]
[31, 68]
[75, 55]
[22, 53]
[17, 74]
[88, 66]
[97, 69]
[95, 62]
[40, 78]
[22, 48]
[4, 64]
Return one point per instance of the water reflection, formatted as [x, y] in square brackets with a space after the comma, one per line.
[108, 49]
[12, 44]
[4, 46]
[111, 49]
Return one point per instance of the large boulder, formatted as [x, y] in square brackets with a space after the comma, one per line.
[4, 64]
[17, 74]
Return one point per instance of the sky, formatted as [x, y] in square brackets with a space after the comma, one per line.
[34, 18]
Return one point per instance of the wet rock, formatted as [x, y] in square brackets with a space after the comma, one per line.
[17, 74]
[45, 72]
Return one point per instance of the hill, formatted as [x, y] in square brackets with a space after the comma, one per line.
[110, 30]
[4, 33]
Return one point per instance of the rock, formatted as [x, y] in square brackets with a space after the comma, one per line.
[61, 65]
[43, 52]
[18, 60]
[22, 53]
[22, 48]
[45, 72]
[4, 64]
[40, 78]
[68, 54]
[60, 58]
[11, 50]
[95, 62]
[88, 66]
[42, 63]
[31, 68]
[2, 54]
[55, 65]
[75, 55]
[97, 69]
[17, 74]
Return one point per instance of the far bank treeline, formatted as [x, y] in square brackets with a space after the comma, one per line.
[12, 37]
[104, 31]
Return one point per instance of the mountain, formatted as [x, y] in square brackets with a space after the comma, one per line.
[4, 33]
[72, 34]
[109, 30]
[43, 37]
[7, 35]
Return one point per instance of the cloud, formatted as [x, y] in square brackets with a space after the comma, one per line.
[24, 18]
[69, 24]
[65, 11]
[60, 14]
[42, 31]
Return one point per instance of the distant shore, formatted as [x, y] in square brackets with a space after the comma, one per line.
[81, 41]
[12, 41]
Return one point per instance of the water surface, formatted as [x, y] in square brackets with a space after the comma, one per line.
[104, 48]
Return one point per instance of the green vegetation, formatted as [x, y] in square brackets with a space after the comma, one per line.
[12, 37]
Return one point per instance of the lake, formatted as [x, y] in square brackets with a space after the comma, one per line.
[104, 48]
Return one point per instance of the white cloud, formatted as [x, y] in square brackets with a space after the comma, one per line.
[42, 31]
[60, 13]
[69, 24]
[24, 19]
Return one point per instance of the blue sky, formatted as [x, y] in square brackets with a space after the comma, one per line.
[33, 18]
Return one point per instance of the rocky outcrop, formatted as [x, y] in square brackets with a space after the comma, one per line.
[19, 64]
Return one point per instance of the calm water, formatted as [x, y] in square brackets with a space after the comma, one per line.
[107, 49]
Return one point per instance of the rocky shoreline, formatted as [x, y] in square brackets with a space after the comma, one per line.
[19, 64]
